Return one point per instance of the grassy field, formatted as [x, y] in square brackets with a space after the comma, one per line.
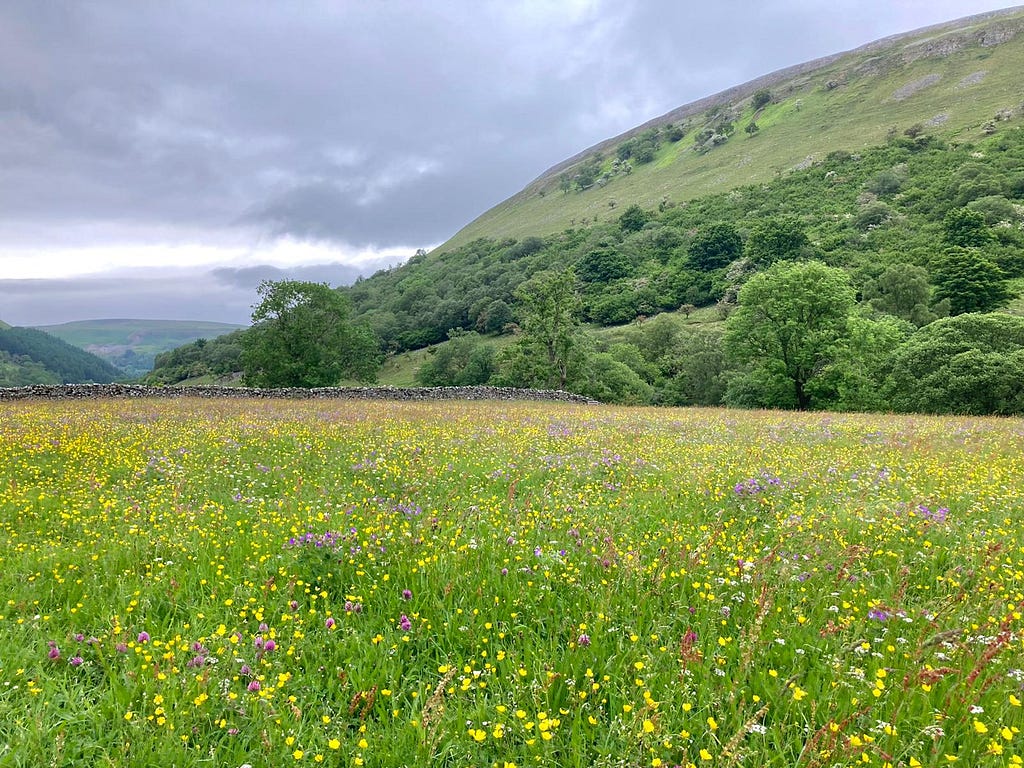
[193, 583]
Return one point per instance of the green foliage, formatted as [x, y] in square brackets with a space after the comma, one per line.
[715, 246]
[787, 327]
[23, 371]
[902, 290]
[966, 228]
[463, 361]
[214, 358]
[633, 219]
[588, 172]
[969, 281]
[777, 238]
[872, 215]
[603, 264]
[70, 365]
[853, 380]
[969, 364]
[761, 98]
[641, 149]
[550, 351]
[496, 317]
[302, 337]
[610, 381]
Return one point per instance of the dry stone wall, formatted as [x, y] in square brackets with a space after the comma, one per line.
[80, 391]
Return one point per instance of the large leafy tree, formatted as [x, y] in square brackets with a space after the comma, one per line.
[971, 364]
[551, 350]
[791, 322]
[301, 337]
[969, 281]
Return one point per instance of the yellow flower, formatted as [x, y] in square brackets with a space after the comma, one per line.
[980, 727]
[712, 724]
[297, 754]
[705, 755]
[334, 744]
[648, 726]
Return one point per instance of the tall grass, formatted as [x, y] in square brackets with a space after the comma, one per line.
[191, 583]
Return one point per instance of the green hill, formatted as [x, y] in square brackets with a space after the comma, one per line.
[132, 345]
[953, 80]
[31, 356]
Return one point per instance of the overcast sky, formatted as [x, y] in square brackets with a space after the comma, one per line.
[157, 159]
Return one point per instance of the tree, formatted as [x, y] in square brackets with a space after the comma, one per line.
[902, 290]
[761, 99]
[778, 238]
[970, 364]
[603, 264]
[715, 246]
[495, 317]
[301, 337]
[463, 361]
[788, 324]
[633, 219]
[551, 349]
[969, 281]
[966, 228]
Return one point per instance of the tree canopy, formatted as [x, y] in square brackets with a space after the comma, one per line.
[787, 326]
[302, 337]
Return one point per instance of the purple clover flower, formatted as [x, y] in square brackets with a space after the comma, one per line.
[404, 624]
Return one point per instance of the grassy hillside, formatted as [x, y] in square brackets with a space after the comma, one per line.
[132, 345]
[31, 356]
[953, 80]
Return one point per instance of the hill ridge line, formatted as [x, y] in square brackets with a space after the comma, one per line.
[744, 90]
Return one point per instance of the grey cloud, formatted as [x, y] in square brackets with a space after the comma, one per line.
[376, 123]
[223, 294]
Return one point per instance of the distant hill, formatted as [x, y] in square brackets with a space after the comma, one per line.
[31, 356]
[953, 80]
[132, 345]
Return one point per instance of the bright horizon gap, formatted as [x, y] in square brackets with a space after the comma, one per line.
[133, 258]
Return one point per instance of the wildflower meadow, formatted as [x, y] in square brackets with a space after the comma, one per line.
[268, 583]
